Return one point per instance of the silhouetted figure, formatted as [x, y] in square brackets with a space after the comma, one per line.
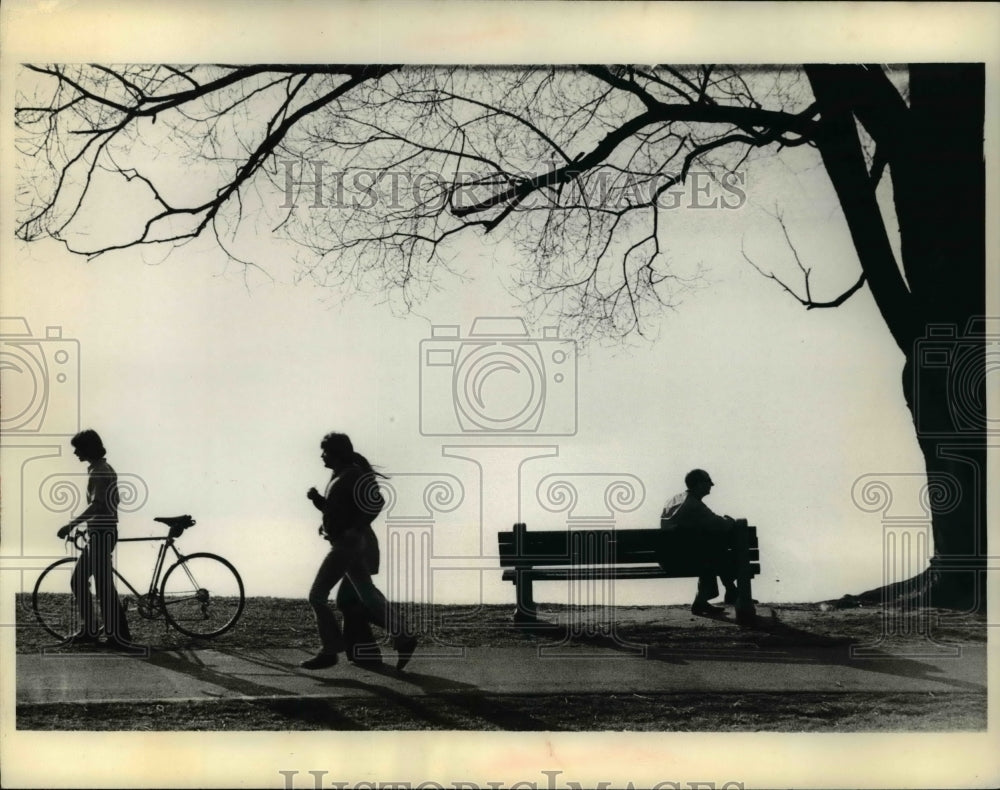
[95, 561]
[350, 505]
[710, 536]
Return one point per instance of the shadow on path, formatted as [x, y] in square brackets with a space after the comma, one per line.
[784, 643]
[467, 698]
[773, 642]
[334, 712]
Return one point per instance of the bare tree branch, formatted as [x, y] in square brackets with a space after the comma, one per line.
[807, 299]
[373, 171]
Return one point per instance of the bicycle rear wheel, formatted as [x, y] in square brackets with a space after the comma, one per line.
[202, 595]
[53, 601]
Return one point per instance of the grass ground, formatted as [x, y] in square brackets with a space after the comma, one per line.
[638, 713]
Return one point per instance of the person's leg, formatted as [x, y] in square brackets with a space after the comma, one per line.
[702, 547]
[115, 624]
[331, 571]
[729, 573]
[380, 611]
[359, 641]
[80, 585]
[708, 589]
[719, 554]
[383, 614]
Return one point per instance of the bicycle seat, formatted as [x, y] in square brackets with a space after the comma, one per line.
[176, 522]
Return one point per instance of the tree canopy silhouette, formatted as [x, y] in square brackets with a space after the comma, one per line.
[577, 165]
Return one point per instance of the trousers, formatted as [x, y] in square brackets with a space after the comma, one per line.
[95, 562]
[349, 561]
[715, 548]
[359, 641]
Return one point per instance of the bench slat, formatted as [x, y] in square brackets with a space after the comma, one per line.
[623, 535]
[611, 572]
[556, 542]
[632, 558]
[554, 574]
[596, 547]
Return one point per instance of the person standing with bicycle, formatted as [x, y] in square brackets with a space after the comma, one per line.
[349, 506]
[101, 518]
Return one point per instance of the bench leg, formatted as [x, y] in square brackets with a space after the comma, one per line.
[525, 611]
[745, 612]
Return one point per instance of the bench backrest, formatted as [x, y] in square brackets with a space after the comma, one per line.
[521, 548]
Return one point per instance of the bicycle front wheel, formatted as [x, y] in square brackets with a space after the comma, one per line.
[202, 595]
[53, 601]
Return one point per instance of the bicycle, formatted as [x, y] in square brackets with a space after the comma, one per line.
[200, 594]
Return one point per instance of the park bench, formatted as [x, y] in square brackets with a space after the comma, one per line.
[627, 554]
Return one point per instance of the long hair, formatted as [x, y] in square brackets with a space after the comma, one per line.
[340, 445]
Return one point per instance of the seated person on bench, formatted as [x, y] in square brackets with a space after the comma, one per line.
[710, 536]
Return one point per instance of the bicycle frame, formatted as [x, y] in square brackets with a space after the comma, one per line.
[154, 582]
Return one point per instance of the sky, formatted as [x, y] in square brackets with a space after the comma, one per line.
[212, 388]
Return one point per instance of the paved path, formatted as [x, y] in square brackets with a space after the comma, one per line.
[270, 673]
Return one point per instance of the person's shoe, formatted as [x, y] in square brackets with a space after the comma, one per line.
[80, 638]
[405, 646]
[129, 648]
[368, 663]
[365, 659]
[707, 610]
[364, 653]
[320, 661]
[732, 598]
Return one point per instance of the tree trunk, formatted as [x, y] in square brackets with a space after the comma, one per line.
[940, 186]
[934, 150]
[955, 459]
